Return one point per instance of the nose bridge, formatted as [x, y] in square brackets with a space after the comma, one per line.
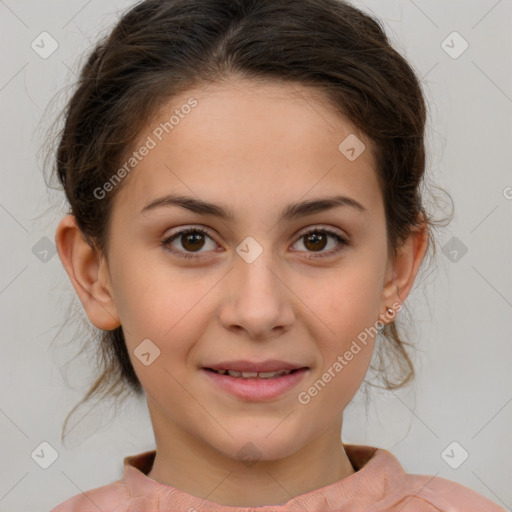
[255, 267]
[259, 301]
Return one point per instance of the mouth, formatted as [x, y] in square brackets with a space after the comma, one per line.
[256, 386]
[254, 375]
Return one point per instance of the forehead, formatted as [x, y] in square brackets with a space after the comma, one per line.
[250, 142]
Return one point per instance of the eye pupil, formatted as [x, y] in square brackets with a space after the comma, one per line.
[195, 238]
[318, 241]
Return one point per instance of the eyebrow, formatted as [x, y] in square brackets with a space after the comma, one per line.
[290, 212]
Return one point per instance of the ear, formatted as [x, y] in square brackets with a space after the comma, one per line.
[401, 272]
[88, 273]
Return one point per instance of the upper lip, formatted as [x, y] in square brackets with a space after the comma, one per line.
[270, 365]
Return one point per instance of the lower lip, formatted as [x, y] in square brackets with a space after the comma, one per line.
[256, 389]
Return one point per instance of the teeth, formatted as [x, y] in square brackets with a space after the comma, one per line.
[270, 375]
[246, 375]
[259, 375]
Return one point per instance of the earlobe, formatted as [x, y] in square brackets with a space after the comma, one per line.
[88, 273]
[403, 270]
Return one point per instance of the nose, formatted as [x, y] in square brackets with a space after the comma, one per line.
[257, 299]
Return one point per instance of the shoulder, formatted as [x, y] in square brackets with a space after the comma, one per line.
[107, 498]
[382, 483]
[433, 493]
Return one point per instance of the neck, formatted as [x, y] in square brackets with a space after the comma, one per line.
[184, 462]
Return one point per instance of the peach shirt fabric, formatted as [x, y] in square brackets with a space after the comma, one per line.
[379, 484]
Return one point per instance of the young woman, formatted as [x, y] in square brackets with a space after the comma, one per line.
[245, 225]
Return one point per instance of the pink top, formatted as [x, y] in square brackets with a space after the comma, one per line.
[380, 484]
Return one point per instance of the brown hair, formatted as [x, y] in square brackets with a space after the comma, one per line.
[160, 48]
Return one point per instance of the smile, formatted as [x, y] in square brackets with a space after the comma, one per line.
[255, 386]
[253, 375]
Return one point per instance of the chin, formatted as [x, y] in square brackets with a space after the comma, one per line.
[254, 443]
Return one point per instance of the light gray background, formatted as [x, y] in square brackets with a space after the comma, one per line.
[462, 310]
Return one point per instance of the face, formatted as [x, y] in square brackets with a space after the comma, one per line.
[257, 284]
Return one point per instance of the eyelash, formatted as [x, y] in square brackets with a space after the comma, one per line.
[182, 254]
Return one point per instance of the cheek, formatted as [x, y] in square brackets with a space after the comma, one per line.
[348, 307]
[349, 300]
[343, 368]
[167, 308]
[145, 295]
[171, 318]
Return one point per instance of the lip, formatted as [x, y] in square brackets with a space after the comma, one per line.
[256, 389]
[243, 365]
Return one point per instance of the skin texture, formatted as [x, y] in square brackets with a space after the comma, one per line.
[255, 148]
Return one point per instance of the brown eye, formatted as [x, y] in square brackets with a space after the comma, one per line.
[191, 240]
[317, 240]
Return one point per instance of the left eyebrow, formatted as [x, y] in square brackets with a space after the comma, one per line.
[289, 213]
